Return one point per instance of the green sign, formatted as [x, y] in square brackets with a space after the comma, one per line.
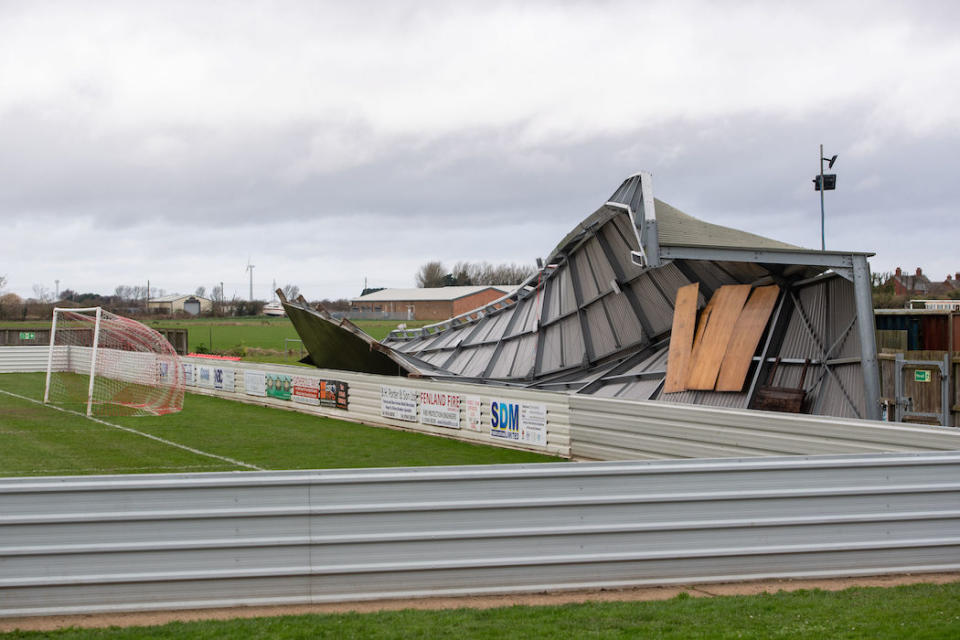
[279, 385]
[921, 375]
[28, 335]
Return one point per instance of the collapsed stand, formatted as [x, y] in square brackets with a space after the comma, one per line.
[103, 364]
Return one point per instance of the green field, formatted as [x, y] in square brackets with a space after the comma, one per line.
[921, 611]
[259, 339]
[38, 440]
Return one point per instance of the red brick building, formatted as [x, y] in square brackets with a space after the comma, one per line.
[915, 285]
[439, 303]
[948, 286]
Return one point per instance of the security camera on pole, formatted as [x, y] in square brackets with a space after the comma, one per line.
[823, 183]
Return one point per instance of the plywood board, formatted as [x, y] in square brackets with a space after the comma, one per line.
[746, 336]
[714, 334]
[681, 337]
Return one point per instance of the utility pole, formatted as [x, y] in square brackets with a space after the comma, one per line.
[823, 234]
[250, 269]
[56, 294]
[823, 183]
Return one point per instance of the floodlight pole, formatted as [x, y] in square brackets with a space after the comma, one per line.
[823, 237]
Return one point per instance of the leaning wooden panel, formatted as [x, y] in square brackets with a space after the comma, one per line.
[681, 338]
[746, 336]
[714, 334]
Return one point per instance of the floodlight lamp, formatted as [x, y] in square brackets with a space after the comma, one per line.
[830, 161]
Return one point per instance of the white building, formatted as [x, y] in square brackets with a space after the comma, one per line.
[177, 303]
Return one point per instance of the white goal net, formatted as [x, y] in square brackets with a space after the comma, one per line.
[106, 365]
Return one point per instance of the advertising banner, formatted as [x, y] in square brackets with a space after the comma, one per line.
[163, 371]
[279, 385]
[440, 409]
[255, 383]
[334, 394]
[533, 423]
[472, 414]
[188, 371]
[398, 403]
[223, 379]
[306, 390]
[523, 422]
[504, 419]
[205, 377]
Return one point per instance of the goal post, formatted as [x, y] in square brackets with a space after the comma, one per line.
[100, 363]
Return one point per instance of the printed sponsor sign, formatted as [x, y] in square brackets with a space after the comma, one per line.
[334, 394]
[163, 371]
[279, 385]
[205, 377]
[255, 383]
[504, 419]
[533, 423]
[306, 390]
[523, 422]
[472, 413]
[440, 409]
[223, 379]
[921, 375]
[188, 371]
[398, 403]
[28, 335]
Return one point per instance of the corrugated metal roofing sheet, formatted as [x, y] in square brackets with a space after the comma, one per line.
[588, 320]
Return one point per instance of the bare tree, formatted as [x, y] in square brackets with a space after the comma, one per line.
[3, 283]
[434, 274]
[201, 292]
[291, 291]
[431, 274]
[41, 293]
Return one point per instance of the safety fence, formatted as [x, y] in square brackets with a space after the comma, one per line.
[107, 543]
[582, 427]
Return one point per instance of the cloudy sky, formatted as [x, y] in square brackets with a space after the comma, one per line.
[330, 143]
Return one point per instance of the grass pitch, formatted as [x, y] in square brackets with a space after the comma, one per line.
[38, 440]
[257, 339]
[915, 611]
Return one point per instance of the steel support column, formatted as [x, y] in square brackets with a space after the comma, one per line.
[868, 338]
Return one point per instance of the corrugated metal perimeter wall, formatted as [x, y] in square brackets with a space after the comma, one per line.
[594, 428]
[23, 359]
[202, 540]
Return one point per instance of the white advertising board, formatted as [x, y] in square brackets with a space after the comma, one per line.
[398, 403]
[188, 372]
[205, 377]
[255, 383]
[440, 409]
[473, 412]
[223, 379]
[520, 421]
[306, 390]
[533, 423]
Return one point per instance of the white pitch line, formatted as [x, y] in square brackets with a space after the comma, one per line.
[139, 433]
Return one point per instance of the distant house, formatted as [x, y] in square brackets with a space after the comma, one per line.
[915, 285]
[428, 303]
[176, 303]
[948, 286]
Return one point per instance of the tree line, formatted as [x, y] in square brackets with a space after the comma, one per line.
[435, 274]
[126, 300]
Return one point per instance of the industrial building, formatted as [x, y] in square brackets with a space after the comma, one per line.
[176, 303]
[427, 303]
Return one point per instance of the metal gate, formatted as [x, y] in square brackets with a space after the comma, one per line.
[916, 383]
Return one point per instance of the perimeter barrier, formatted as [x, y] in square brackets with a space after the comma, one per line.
[109, 543]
